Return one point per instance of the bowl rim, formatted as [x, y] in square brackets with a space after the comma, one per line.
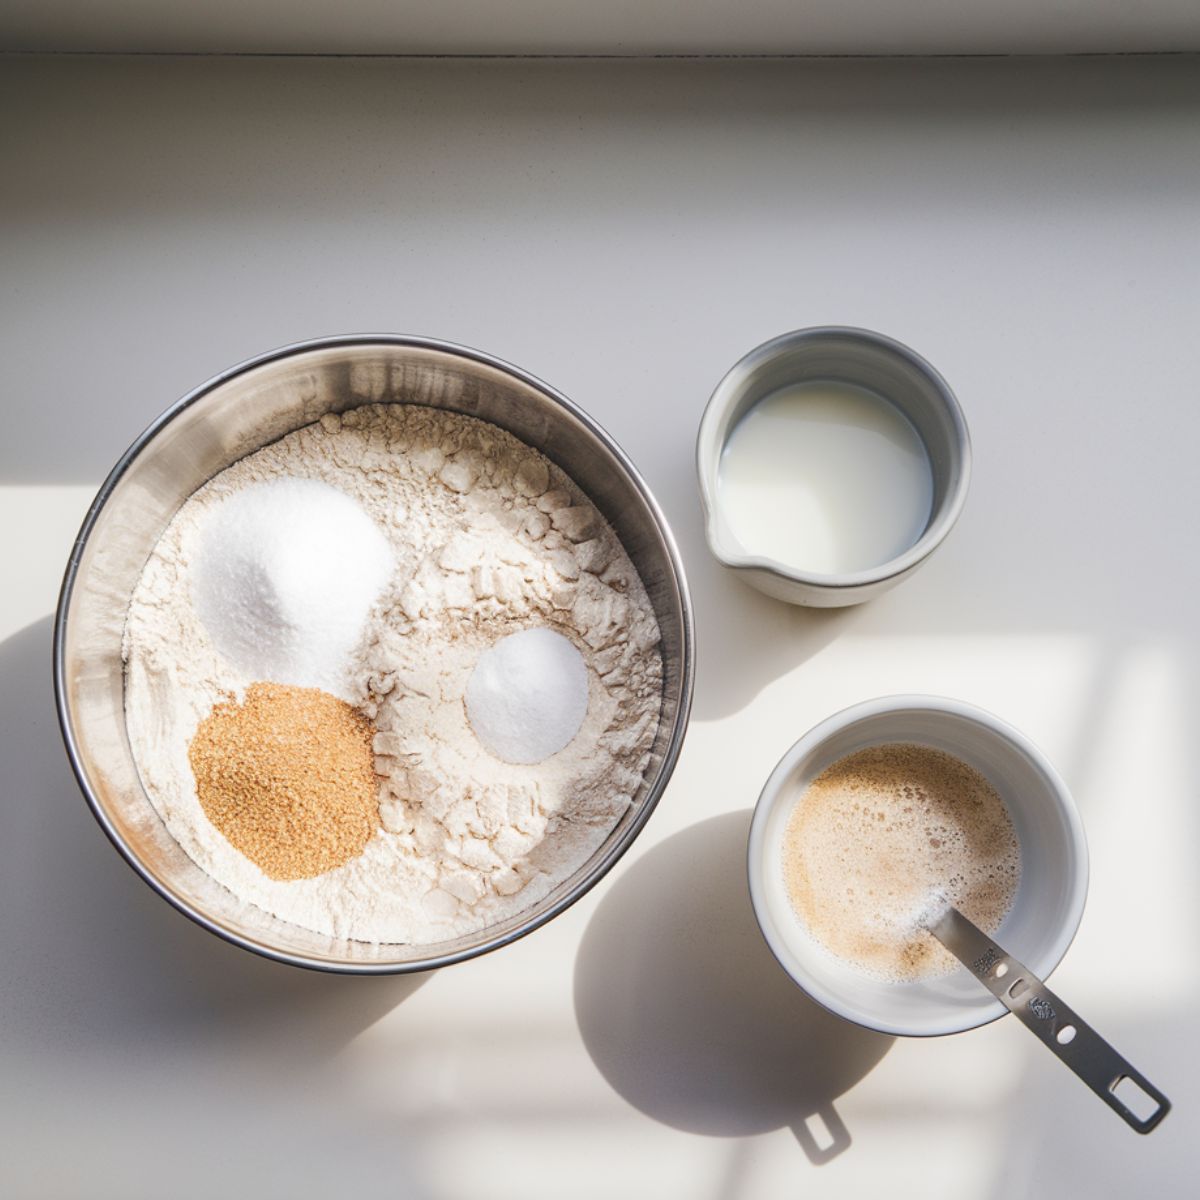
[943, 521]
[880, 706]
[686, 667]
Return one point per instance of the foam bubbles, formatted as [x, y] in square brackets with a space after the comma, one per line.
[882, 838]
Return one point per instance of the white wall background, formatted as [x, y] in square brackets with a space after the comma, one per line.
[608, 27]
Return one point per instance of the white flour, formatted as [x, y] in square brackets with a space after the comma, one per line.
[489, 538]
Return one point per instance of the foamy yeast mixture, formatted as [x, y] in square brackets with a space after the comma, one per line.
[879, 835]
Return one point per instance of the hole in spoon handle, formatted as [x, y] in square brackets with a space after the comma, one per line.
[1113, 1078]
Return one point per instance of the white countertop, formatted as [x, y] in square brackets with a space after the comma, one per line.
[626, 231]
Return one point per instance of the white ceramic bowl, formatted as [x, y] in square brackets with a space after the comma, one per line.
[1054, 862]
[868, 360]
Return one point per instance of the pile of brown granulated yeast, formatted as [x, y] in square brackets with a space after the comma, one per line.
[288, 777]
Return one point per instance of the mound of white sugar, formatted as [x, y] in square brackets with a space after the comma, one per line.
[528, 695]
[285, 576]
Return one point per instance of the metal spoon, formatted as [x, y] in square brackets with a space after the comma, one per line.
[1076, 1043]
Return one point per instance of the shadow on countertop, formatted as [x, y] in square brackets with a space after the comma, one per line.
[688, 1016]
[92, 957]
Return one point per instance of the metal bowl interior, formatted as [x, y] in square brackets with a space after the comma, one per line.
[232, 416]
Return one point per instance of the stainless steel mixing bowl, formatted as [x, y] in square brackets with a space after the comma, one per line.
[235, 414]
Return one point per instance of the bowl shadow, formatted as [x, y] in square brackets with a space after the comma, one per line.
[688, 1016]
[93, 958]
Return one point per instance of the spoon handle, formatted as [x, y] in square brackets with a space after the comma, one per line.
[1057, 1025]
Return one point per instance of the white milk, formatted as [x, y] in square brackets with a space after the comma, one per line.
[827, 478]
